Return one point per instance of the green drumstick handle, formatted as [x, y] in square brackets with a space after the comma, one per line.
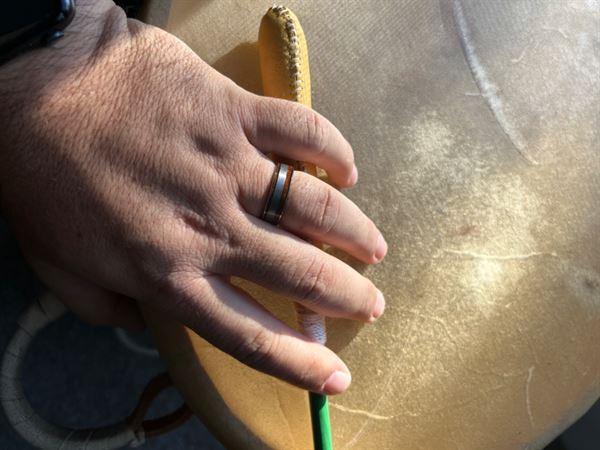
[321, 426]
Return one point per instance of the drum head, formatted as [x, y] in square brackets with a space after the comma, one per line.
[475, 128]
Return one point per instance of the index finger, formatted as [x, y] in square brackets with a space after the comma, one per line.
[293, 131]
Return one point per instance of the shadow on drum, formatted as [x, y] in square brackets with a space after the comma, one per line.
[242, 66]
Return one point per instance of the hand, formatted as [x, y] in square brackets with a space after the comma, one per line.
[131, 171]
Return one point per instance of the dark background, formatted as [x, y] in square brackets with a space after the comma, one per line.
[77, 375]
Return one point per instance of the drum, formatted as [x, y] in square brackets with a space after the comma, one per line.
[475, 127]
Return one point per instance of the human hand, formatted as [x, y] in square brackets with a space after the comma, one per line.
[131, 171]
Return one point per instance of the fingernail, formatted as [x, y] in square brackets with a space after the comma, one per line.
[379, 306]
[353, 177]
[381, 248]
[337, 383]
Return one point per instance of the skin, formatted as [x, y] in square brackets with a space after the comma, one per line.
[131, 171]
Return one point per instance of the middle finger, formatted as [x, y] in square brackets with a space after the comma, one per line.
[283, 263]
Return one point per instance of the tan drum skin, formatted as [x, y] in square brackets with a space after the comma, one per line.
[476, 131]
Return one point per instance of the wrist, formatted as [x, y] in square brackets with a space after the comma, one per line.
[79, 36]
[36, 85]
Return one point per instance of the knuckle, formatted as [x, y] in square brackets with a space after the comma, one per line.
[158, 284]
[171, 288]
[313, 284]
[327, 213]
[258, 349]
[181, 294]
[213, 230]
[242, 247]
[245, 107]
[257, 112]
[254, 181]
[151, 258]
[315, 131]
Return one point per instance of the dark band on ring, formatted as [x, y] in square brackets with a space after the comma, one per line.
[278, 192]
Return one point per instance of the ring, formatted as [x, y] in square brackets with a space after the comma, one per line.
[278, 192]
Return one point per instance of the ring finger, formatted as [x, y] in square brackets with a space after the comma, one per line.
[317, 211]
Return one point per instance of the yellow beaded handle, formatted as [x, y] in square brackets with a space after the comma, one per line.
[285, 74]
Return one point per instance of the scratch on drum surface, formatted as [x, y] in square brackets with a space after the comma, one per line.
[285, 418]
[559, 31]
[476, 255]
[361, 412]
[527, 396]
[360, 431]
[529, 48]
[488, 90]
[519, 58]
[385, 388]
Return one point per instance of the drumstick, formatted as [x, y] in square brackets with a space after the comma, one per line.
[285, 74]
